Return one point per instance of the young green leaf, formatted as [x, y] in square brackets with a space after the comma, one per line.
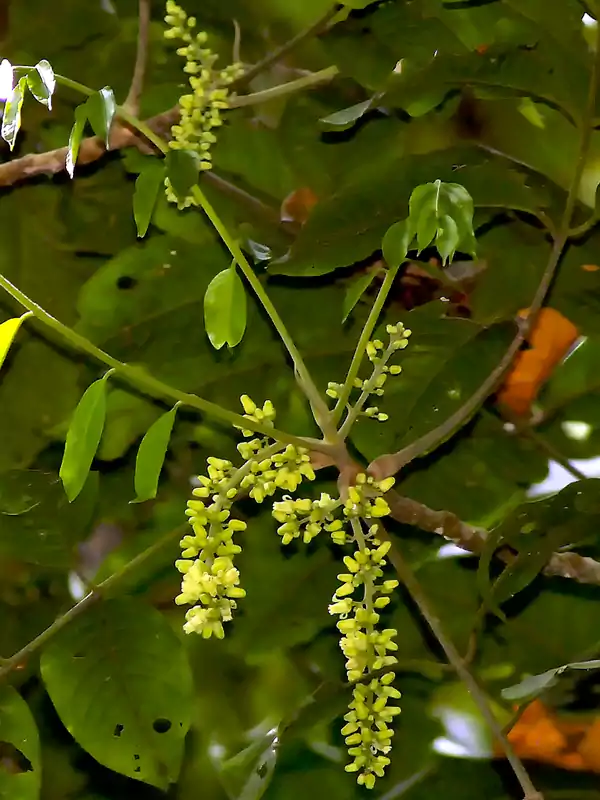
[346, 117]
[137, 683]
[225, 309]
[100, 108]
[182, 171]
[11, 121]
[19, 730]
[75, 138]
[8, 331]
[447, 238]
[355, 291]
[83, 438]
[151, 456]
[147, 186]
[42, 83]
[396, 243]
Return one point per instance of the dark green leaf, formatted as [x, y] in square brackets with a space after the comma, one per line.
[42, 83]
[151, 456]
[534, 685]
[182, 171]
[396, 243]
[21, 773]
[225, 309]
[100, 109]
[147, 187]
[344, 119]
[75, 138]
[11, 121]
[83, 438]
[355, 291]
[136, 708]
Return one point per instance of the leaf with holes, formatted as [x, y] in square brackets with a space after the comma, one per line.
[151, 456]
[20, 776]
[11, 121]
[147, 186]
[100, 109]
[75, 138]
[136, 708]
[225, 309]
[83, 438]
[8, 331]
[42, 83]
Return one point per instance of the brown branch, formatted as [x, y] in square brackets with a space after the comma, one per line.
[471, 538]
[132, 103]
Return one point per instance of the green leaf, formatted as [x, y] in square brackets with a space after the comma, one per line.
[83, 437]
[534, 685]
[147, 186]
[75, 138]
[344, 119]
[21, 773]
[396, 243]
[447, 238]
[182, 171]
[100, 109]
[355, 291]
[225, 309]
[120, 681]
[247, 775]
[151, 456]
[8, 331]
[11, 121]
[42, 83]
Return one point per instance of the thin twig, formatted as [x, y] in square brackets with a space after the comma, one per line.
[280, 52]
[132, 103]
[414, 589]
[391, 463]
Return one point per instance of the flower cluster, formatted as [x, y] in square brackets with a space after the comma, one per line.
[379, 355]
[367, 649]
[201, 109]
[307, 518]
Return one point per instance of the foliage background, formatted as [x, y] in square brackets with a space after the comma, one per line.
[494, 111]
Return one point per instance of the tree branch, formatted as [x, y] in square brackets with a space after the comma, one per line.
[132, 103]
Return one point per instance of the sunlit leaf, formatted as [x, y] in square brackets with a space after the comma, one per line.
[355, 291]
[83, 438]
[42, 83]
[75, 138]
[147, 187]
[21, 773]
[136, 708]
[447, 239]
[8, 331]
[100, 109]
[344, 119]
[534, 685]
[151, 456]
[225, 309]
[182, 171]
[11, 121]
[396, 243]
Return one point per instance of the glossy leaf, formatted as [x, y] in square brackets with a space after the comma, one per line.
[151, 456]
[225, 309]
[101, 108]
[396, 243]
[42, 83]
[136, 708]
[83, 438]
[8, 331]
[75, 138]
[21, 773]
[182, 171]
[355, 291]
[147, 186]
[534, 685]
[11, 121]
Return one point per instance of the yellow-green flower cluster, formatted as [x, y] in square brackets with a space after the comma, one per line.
[379, 355]
[367, 730]
[364, 500]
[201, 109]
[306, 518]
[210, 581]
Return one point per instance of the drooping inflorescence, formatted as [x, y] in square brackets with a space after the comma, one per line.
[200, 110]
